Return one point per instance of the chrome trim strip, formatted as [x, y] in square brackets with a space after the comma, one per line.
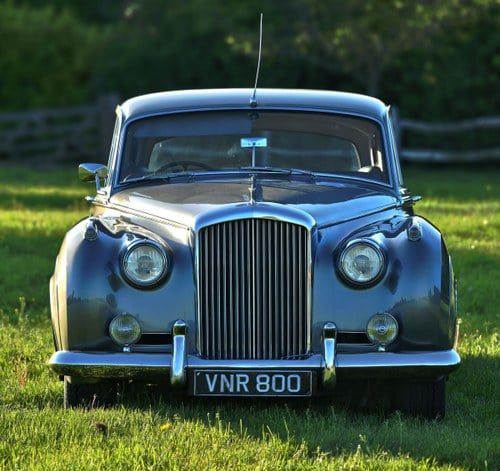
[262, 210]
[147, 365]
[178, 370]
[329, 347]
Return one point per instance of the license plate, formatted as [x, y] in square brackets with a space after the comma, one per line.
[252, 383]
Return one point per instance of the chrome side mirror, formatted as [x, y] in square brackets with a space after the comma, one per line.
[92, 172]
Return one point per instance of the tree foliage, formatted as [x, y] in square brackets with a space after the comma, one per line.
[438, 59]
[45, 57]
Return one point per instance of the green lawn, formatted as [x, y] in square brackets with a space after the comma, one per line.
[147, 431]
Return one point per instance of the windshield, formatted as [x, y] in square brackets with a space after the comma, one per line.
[222, 141]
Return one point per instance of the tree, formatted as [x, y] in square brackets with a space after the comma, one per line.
[45, 57]
[363, 38]
[420, 55]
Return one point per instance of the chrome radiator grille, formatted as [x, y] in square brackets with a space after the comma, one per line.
[253, 285]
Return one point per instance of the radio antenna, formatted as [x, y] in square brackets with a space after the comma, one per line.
[253, 100]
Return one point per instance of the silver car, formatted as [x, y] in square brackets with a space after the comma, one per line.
[255, 247]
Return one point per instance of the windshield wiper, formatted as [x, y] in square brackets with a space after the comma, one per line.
[189, 175]
[284, 171]
[299, 171]
[145, 178]
[162, 176]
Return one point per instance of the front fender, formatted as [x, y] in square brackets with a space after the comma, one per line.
[88, 289]
[417, 286]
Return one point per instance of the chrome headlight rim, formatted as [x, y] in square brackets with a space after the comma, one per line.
[162, 273]
[341, 262]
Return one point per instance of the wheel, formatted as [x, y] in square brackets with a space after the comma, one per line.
[89, 395]
[184, 166]
[425, 399]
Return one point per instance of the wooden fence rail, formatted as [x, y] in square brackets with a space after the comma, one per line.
[83, 133]
[57, 136]
[438, 155]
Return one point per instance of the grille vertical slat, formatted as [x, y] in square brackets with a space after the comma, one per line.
[253, 283]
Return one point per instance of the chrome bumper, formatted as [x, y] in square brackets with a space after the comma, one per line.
[328, 365]
[347, 365]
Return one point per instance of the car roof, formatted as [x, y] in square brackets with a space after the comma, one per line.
[216, 99]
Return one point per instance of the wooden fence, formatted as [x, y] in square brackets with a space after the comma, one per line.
[489, 154]
[58, 136]
[83, 133]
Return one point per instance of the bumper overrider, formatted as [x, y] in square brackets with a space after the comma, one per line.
[254, 377]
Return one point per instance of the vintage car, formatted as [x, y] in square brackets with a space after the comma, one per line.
[255, 245]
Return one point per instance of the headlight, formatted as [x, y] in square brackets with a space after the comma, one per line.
[382, 329]
[361, 262]
[145, 264]
[125, 329]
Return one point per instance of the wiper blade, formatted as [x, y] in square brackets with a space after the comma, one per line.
[160, 176]
[299, 171]
[266, 169]
[285, 171]
[145, 178]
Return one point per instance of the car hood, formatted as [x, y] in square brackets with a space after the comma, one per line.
[323, 203]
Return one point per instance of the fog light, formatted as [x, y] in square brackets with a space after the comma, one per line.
[382, 329]
[125, 329]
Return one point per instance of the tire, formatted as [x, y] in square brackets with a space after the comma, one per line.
[425, 399]
[89, 395]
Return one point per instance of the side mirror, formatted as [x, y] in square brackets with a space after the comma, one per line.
[92, 173]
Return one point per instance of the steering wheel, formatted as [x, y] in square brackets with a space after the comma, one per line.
[184, 166]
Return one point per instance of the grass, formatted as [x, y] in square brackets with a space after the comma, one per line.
[149, 431]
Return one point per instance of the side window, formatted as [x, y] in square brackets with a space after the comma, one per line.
[114, 148]
[393, 120]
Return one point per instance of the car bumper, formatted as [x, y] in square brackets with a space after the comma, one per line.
[328, 365]
[146, 365]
